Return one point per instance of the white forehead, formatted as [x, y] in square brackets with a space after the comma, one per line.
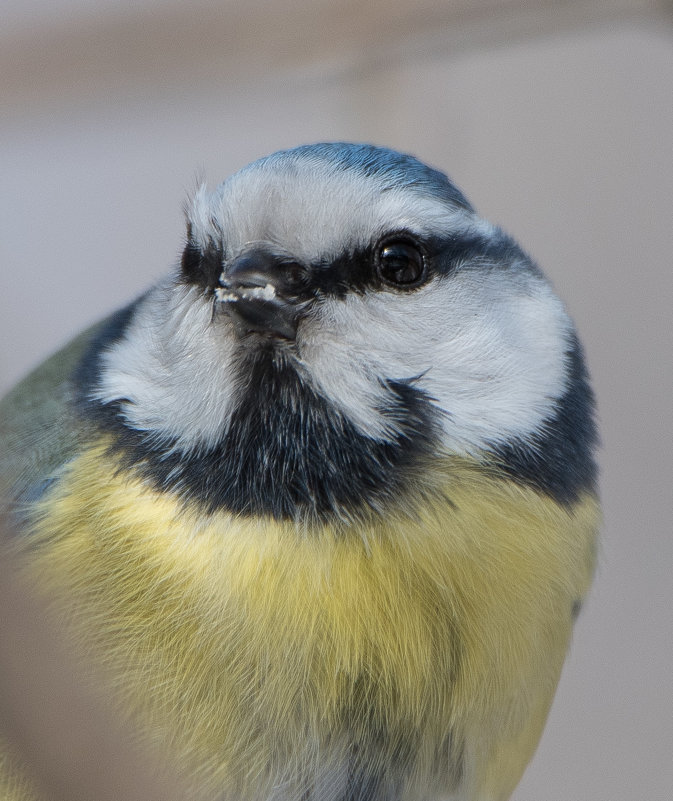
[314, 209]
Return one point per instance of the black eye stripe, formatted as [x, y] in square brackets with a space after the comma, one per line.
[202, 266]
[356, 270]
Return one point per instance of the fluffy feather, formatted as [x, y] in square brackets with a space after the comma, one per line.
[420, 652]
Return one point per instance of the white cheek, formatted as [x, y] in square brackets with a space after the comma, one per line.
[501, 367]
[488, 351]
[360, 343]
[172, 369]
[339, 357]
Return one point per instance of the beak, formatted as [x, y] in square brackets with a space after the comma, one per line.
[261, 293]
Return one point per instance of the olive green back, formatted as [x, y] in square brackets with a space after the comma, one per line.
[38, 430]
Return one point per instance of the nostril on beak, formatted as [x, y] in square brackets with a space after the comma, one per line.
[251, 270]
[295, 276]
[262, 270]
[258, 294]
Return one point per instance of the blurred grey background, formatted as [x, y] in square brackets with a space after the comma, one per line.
[555, 118]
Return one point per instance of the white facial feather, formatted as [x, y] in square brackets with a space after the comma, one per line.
[490, 354]
[313, 214]
[486, 343]
[172, 368]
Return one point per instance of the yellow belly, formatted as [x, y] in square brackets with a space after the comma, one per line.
[263, 653]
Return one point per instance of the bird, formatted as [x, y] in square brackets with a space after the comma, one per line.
[321, 504]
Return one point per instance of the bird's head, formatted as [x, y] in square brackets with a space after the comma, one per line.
[341, 314]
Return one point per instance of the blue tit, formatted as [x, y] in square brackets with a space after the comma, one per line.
[322, 503]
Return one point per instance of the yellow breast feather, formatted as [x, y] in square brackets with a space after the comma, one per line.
[265, 654]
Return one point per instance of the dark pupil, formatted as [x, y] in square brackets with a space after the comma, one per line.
[401, 263]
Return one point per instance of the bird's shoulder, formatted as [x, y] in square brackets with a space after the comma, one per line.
[39, 428]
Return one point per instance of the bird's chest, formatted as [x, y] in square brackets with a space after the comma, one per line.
[359, 658]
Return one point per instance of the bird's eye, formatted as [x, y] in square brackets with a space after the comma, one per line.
[400, 263]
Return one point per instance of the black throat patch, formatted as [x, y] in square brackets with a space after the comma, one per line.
[286, 452]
